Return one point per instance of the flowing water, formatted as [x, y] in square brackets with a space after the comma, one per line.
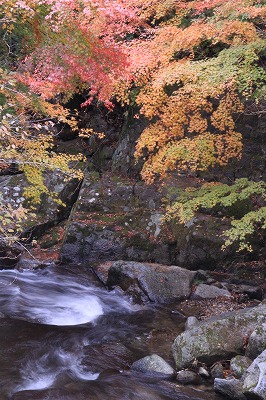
[64, 337]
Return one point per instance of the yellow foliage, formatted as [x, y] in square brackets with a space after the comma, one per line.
[191, 102]
[28, 139]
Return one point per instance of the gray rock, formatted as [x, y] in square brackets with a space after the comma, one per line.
[191, 322]
[47, 214]
[217, 370]
[186, 377]
[255, 379]
[199, 243]
[123, 160]
[203, 275]
[49, 211]
[153, 364]
[217, 338]
[256, 342]
[239, 365]
[203, 372]
[159, 283]
[232, 388]
[204, 291]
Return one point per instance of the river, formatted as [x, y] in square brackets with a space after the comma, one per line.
[65, 337]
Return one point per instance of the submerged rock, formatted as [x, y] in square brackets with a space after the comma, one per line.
[107, 356]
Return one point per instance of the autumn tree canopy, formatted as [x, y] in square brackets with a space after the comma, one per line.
[191, 67]
[197, 71]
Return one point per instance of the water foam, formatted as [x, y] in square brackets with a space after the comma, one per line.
[53, 300]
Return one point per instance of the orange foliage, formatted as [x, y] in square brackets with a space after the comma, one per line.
[193, 63]
[193, 82]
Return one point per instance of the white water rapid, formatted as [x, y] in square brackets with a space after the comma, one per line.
[65, 337]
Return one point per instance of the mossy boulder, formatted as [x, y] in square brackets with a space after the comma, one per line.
[45, 215]
[217, 338]
[239, 365]
[257, 341]
[48, 210]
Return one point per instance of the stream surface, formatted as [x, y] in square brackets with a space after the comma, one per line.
[64, 337]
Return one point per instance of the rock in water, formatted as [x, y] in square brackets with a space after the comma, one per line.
[153, 364]
[232, 388]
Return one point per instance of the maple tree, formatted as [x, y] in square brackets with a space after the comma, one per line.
[196, 73]
[200, 67]
[51, 50]
[190, 66]
[67, 46]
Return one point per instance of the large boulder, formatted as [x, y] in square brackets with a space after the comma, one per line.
[199, 242]
[9, 255]
[255, 379]
[154, 282]
[217, 338]
[12, 192]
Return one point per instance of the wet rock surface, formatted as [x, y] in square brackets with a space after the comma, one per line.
[186, 377]
[111, 356]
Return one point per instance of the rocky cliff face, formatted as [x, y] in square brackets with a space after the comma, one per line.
[117, 216]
